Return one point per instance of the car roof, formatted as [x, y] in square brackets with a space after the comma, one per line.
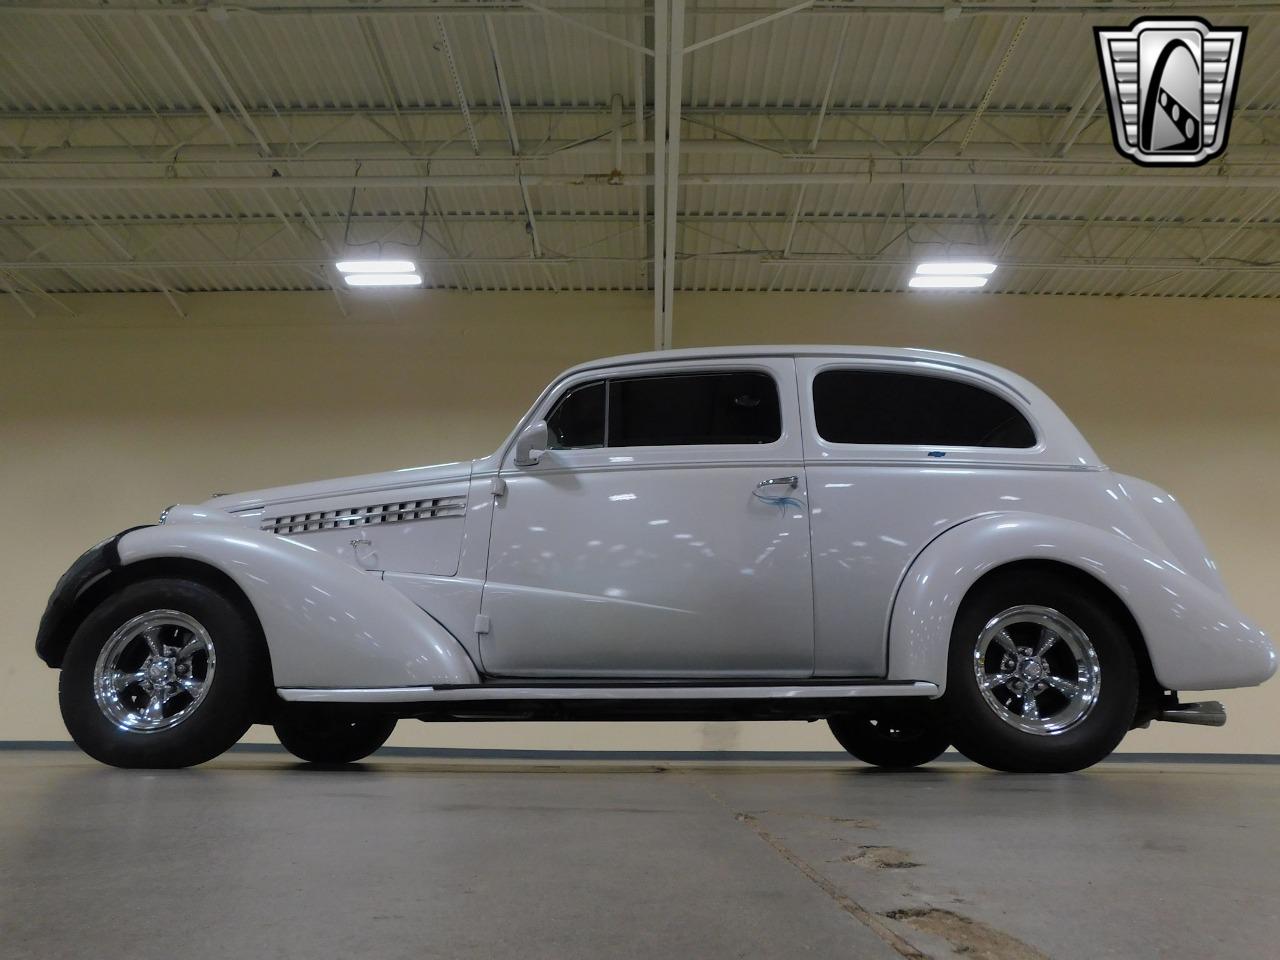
[917, 354]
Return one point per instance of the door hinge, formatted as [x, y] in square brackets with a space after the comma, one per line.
[498, 487]
[482, 623]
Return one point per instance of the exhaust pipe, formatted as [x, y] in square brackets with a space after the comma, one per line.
[1209, 713]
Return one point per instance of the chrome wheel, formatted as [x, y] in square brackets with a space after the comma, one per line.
[1037, 669]
[154, 671]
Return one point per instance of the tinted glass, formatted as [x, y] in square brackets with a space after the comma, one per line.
[578, 419]
[693, 409]
[862, 406]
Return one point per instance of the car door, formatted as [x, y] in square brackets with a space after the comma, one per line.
[642, 544]
[898, 451]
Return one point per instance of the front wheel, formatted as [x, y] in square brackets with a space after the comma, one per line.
[1041, 676]
[894, 740]
[166, 672]
[325, 735]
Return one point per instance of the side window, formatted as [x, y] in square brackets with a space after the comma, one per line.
[697, 408]
[876, 406]
[578, 418]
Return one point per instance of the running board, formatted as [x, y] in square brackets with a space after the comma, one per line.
[606, 693]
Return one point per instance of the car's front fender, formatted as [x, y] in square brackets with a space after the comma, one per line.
[327, 624]
[1195, 637]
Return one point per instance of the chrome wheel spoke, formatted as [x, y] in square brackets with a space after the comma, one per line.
[192, 686]
[122, 681]
[1005, 640]
[154, 710]
[1047, 639]
[190, 649]
[993, 680]
[152, 636]
[1064, 687]
[1029, 709]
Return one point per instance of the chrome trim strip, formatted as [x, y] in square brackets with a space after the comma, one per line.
[468, 694]
[341, 518]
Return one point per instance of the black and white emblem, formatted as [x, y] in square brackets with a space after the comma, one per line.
[1170, 87]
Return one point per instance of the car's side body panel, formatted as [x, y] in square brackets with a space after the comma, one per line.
[325, 621]
[870, 521]
[1195, 637]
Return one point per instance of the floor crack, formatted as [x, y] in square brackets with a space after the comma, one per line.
[846, 903]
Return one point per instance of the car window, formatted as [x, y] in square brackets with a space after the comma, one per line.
[882, 407]
[666, 410]
[696, 408]
[578, 418]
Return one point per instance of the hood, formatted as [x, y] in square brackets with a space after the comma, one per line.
[368, 483]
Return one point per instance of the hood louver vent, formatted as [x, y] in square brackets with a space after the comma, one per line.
[433, 509]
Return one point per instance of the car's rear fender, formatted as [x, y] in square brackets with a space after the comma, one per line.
[1194, 636]
[326, 623]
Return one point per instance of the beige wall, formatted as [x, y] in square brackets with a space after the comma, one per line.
[107, 416]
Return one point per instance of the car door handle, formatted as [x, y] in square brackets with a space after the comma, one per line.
[792, 481]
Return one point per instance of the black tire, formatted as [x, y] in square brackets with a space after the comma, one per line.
[327, 735]
[978, 730]
[213, 725]
[896, 740]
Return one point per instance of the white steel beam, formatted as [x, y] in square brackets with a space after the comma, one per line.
[675, 93]
[661, 75]
[140, 157]
[1143, 181]
[594, 31]
[742, 28]
[462, 8]
[835, 218]
[513, 135]
[1064, 264]
[456, 77]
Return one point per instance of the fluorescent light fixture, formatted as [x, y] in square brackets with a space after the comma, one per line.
[377, 266]
[383, 280]
[954, 268]
[947, 283]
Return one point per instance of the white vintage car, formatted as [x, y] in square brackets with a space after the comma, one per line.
[916, 547]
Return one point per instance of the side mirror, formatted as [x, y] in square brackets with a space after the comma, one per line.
[531, 444]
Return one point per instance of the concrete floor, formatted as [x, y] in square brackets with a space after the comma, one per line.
[255, 856]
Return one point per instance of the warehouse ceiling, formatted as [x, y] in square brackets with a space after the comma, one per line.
[822, 146]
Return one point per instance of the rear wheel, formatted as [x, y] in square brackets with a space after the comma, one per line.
[328, 735]
[164, 673]
[1041, 676]
[893, 739]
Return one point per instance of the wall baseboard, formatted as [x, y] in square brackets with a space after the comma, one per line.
[684, 756]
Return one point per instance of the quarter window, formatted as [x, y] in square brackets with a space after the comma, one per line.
[907, 409]
[668, 410]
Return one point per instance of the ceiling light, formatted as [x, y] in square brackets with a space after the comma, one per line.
[951, 268]
[383, 279]
[948, 283]
[377, 266]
